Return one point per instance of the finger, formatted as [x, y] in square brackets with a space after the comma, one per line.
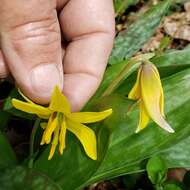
[31, 45]
[89, 27]
[60, 4]
[3, 68]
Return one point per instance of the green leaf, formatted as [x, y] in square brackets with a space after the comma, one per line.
[7, 156]
[122, 5]
[177, 155]
[172, 62]
[164, 43]
[121, 151]
[22, 178]
[137, 34]
[157, 170]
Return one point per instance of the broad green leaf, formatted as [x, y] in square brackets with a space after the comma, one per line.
[137, 34]
[178, 155]
[7, 156]
[172, 62]
[22, 178]
[123, 151]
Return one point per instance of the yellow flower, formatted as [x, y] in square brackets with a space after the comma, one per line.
[60, 118]
[148, 90]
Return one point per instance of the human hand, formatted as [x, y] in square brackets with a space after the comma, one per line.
[44, 43]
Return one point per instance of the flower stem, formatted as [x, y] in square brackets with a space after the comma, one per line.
[32, 138]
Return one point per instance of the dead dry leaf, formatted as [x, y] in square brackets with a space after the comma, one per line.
[178, 25]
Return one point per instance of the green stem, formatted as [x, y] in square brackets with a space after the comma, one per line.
[32, 138]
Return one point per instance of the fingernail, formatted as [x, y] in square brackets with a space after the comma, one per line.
[44, 78]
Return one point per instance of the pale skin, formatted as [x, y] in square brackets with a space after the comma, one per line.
[44, 43]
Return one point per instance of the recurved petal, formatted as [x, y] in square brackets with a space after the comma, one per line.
[158, 118]
[86, 136]
[31, 108]
[135, 94]
[59, 102]
[143, 119]
[62, 136]
[151, 94]
[89, 117]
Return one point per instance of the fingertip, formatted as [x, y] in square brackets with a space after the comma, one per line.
[41, 82]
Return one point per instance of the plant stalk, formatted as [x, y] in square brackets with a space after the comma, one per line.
[32, 138]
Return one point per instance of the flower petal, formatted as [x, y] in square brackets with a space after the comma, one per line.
[43, 141]
[89, 117]
[31, 108]
[52, 151]
[151, 93]
[143, 119]
[59, 102]
[62, 136]
[161, 90]
[135, 94]
[54, 143]
[86, 136]
[52, 125]
[162, 101]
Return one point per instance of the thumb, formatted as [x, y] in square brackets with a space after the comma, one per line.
[30, 41]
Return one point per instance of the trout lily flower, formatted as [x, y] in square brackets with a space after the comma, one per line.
[60, 118]
[148, 90]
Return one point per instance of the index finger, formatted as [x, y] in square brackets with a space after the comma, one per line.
[90, 28]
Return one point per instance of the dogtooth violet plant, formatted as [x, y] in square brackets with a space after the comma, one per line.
[60, 119]
[148, 90]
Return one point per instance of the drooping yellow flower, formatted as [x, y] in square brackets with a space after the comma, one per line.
[60, 118]
[148, 90]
